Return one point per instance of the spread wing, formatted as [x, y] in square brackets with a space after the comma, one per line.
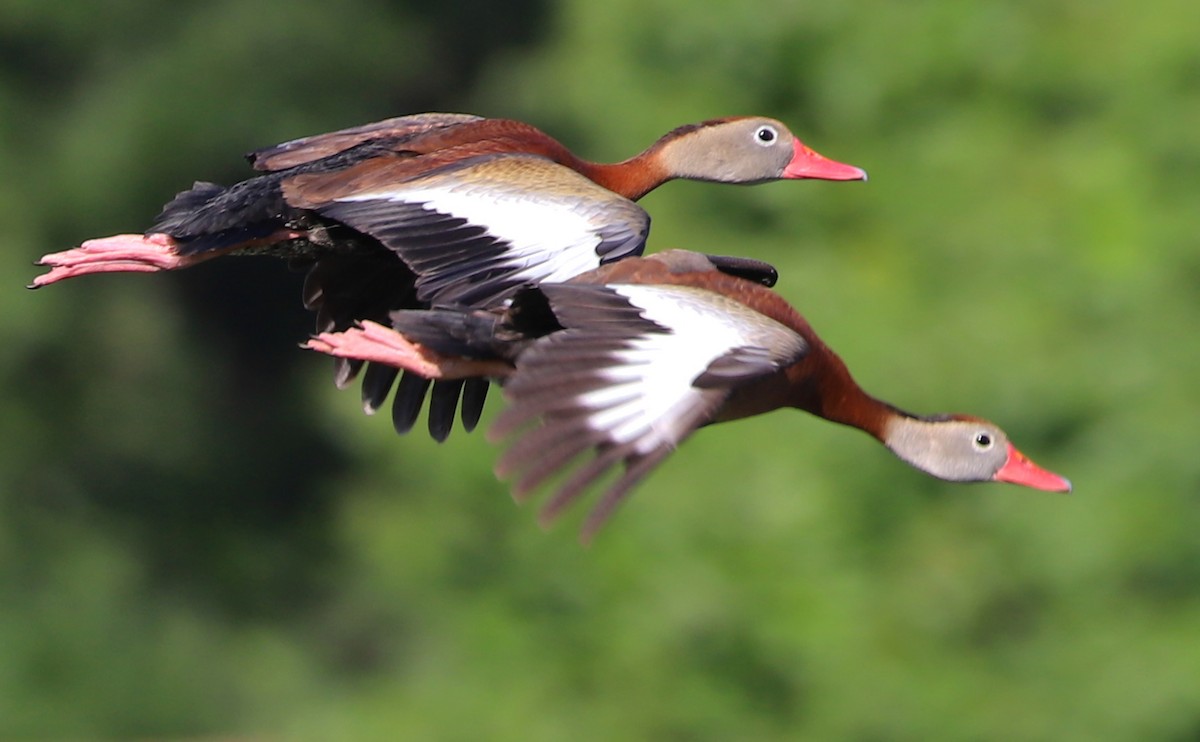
[476, 230]
[319, 146]
[635, 371]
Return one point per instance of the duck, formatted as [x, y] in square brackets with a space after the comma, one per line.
[626, 361]
[438, 209]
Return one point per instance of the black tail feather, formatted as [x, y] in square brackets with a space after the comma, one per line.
[210, 216]
[376, 383]
[473, 398]
[443, 403]
[406, 405]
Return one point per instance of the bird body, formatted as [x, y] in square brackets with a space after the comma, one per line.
[626, 361]
[452, 183]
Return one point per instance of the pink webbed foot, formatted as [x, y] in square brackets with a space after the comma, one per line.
[378, 344]
[122, 253]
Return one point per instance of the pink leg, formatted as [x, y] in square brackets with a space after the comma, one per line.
[376, 343]
[123, 253]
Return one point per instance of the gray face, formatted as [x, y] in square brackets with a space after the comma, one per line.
[748, 150]
[956, 450]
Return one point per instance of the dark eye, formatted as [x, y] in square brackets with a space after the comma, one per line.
[983, 441]
[766, 135]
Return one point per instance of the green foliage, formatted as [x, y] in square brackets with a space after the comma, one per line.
[200, 536]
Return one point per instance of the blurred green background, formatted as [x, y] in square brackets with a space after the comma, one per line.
[200, 537]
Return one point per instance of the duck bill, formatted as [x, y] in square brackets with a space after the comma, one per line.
[1020, 470]
[808, 164]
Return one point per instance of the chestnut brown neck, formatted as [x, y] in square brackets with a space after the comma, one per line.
[819, 383]
[632, 178]
[822, 385]
[637, 176]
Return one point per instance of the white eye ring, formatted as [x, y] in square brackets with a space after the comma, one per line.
[765, 136]
[983, 441]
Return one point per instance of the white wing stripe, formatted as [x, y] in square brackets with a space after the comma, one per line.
[609, 396]
[549, 244]
[652, 379]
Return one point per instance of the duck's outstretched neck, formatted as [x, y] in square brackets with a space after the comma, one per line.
[632, 178]
[822, 385]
